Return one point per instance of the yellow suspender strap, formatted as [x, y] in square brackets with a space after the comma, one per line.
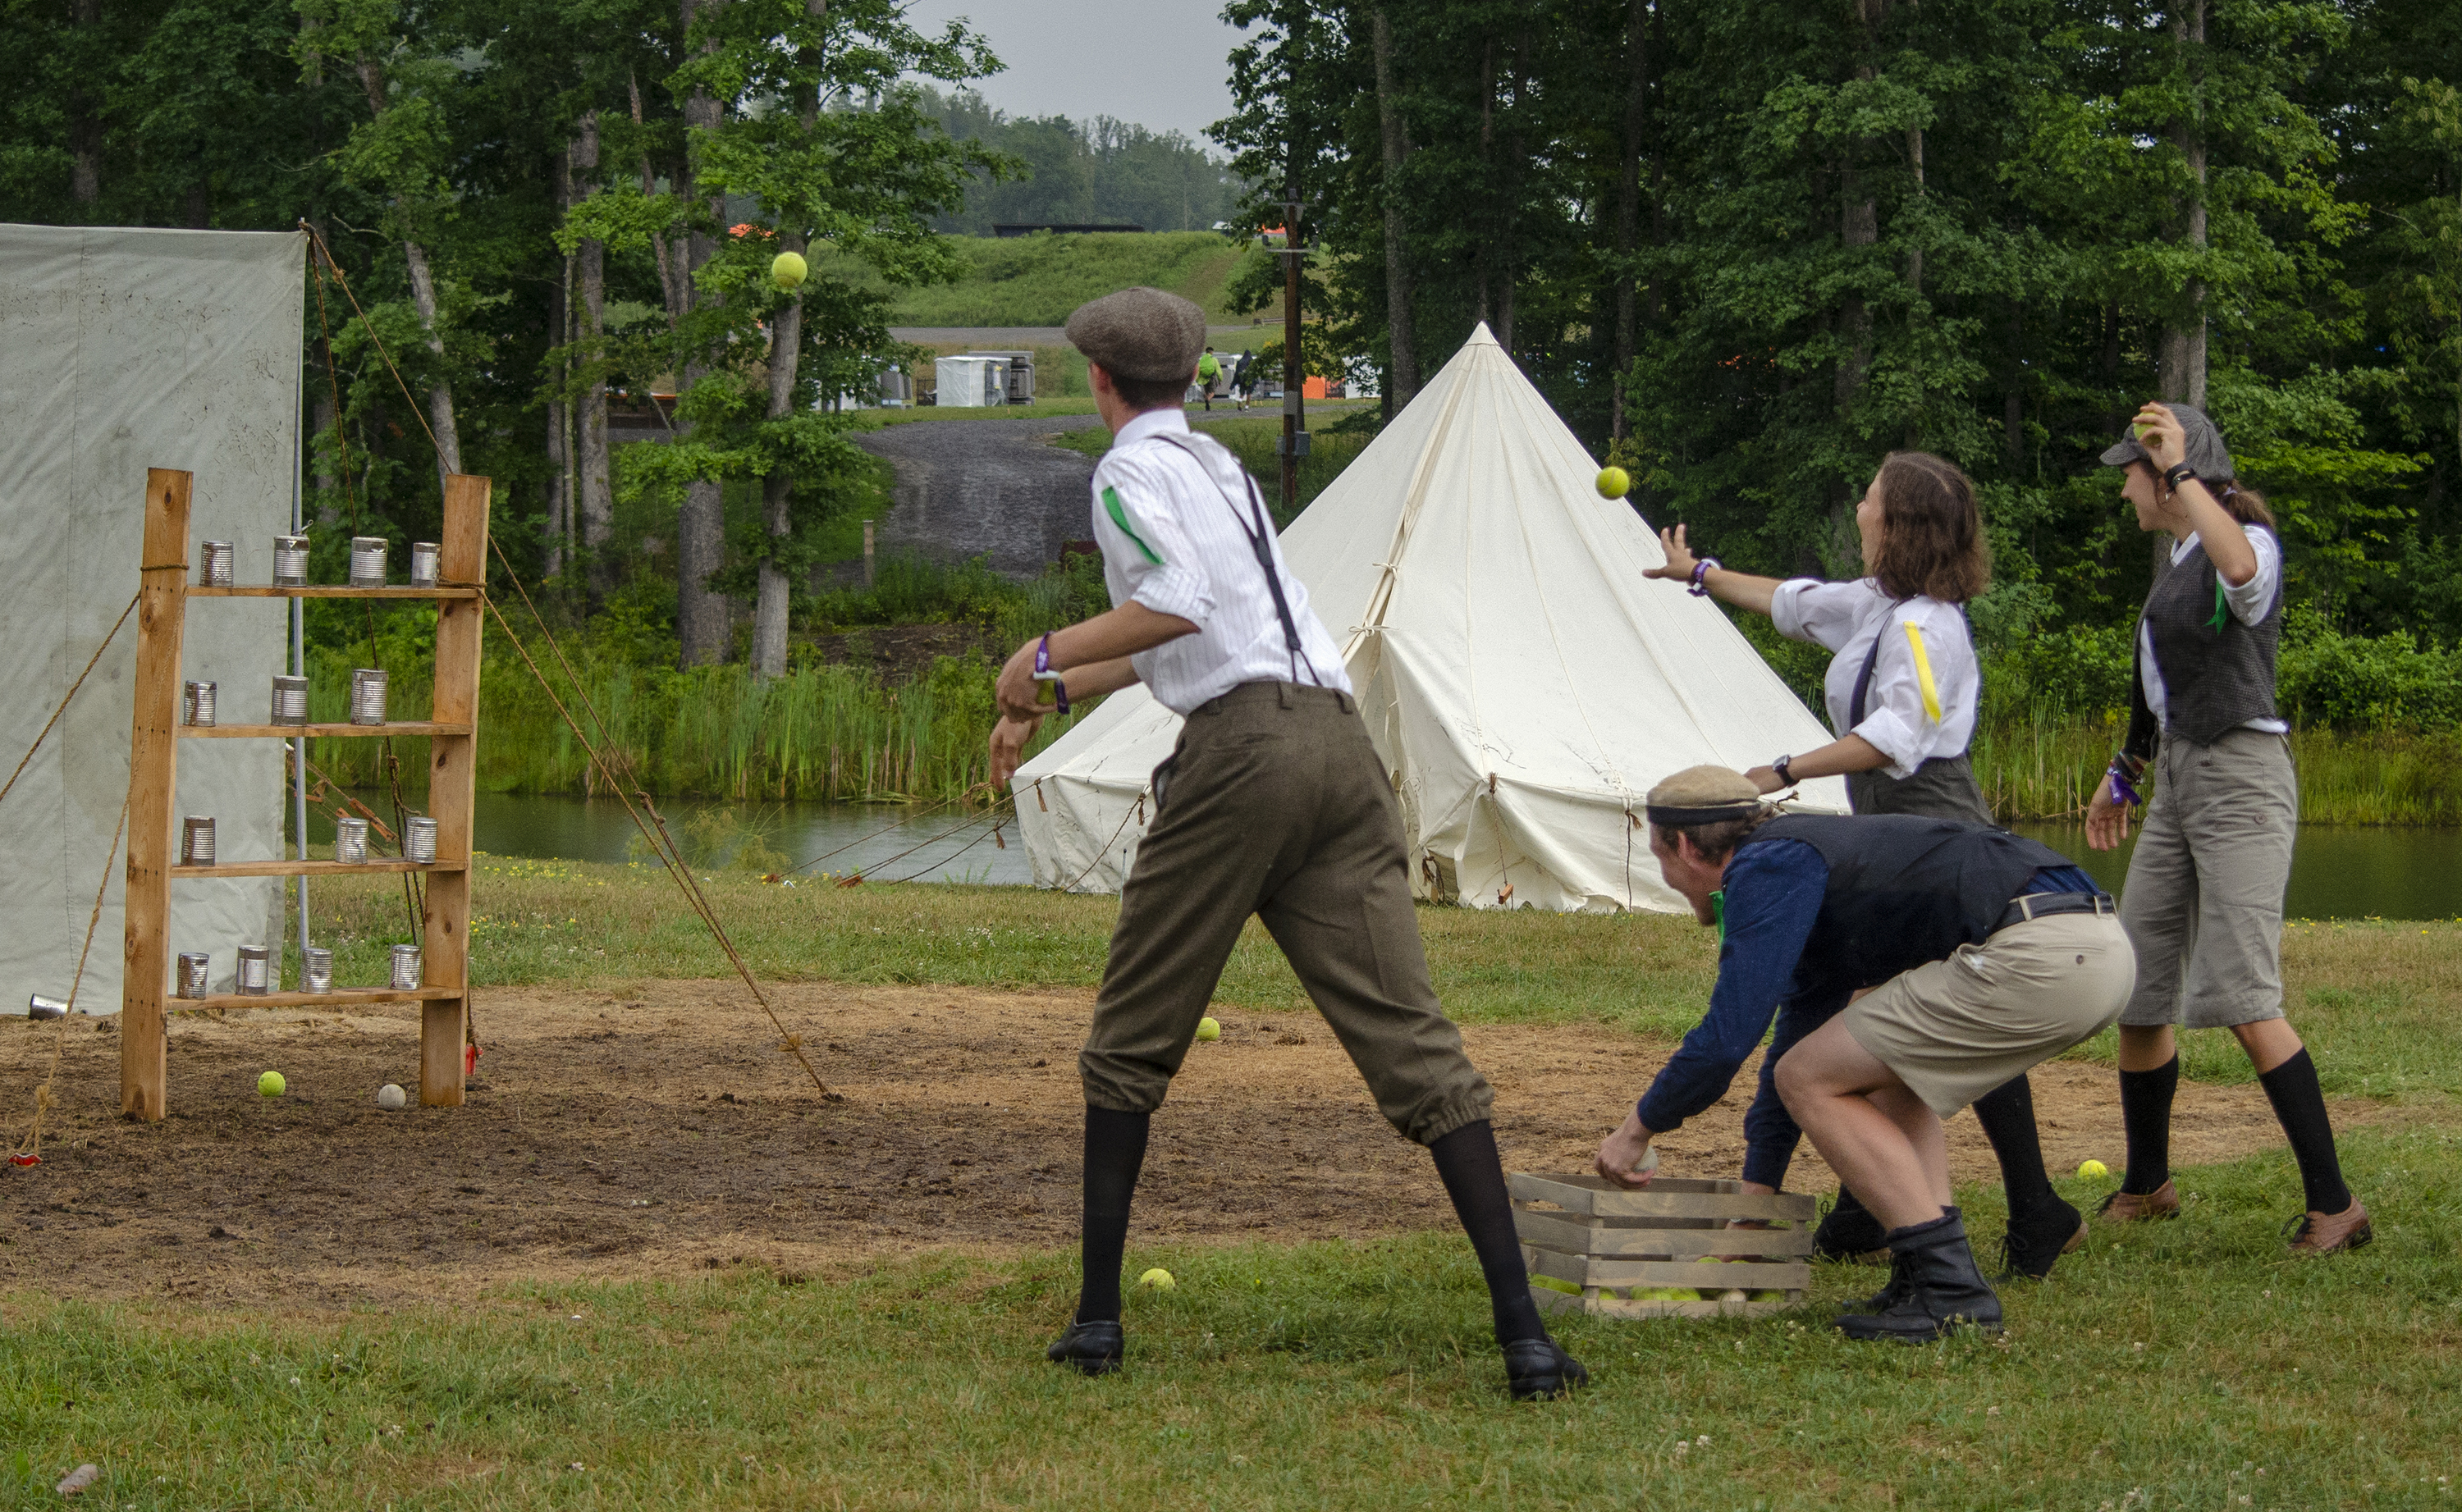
[1923, 671]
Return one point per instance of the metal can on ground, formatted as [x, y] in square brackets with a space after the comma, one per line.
[195, 966]
[255, 971]
[290, 700]
[197, 704]
[40, 1006]
[419, 840]
[316, 968]
[290, 561]
[214, 562]
[424, 556]
[367, 562]
[350, 841]
[196, 841]
[367, 695]
[406, 967]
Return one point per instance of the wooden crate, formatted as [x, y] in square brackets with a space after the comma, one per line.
[1610, 1242]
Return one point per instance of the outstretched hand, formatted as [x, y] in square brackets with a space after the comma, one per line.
[1680, 559]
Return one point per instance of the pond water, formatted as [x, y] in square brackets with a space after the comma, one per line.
[2337, 872]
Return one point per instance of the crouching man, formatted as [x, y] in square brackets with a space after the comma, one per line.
[1971, 955]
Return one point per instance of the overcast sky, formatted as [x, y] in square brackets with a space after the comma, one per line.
[1158, 63]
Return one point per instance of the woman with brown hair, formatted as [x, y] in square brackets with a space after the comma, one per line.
[1903, 689]
[2203, 903]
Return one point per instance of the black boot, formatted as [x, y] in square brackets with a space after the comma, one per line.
[2036, 1242]
[1848, 1231]
[1900, 1279]
[1538, 1370]
[1095, 1348]
[1945, 1289]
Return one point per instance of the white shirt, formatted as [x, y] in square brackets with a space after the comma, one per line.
[1925, 684]
[1175, 534]
[2248, 603]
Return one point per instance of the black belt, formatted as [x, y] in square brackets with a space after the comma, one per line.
[2042, 905]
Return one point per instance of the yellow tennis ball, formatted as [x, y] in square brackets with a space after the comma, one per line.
[2093, 1168]
[1665, 1294]
[787, 271]
[270, 1084]
[1614, 482]
[1208, 1030]
[1159, 1279]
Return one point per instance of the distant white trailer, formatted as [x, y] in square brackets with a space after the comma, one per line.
[971, 383]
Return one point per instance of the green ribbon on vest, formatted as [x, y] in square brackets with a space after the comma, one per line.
[2221, 608]
[1718, 913]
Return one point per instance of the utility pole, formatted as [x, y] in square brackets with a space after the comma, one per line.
[1295, 436]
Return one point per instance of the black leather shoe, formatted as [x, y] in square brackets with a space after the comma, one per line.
[1945, 1289]
[1900, 1278]
[1848, 1232]
[1538, 1370]
[2034, 1246]
[1094, 1348]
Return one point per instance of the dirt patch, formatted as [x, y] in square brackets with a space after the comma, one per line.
[903, 652]
[659, 1130]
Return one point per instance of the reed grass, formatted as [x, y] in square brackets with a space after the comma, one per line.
[2048, 768]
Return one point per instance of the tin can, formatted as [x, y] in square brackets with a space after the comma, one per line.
[424, 555]
[196, 841]
[367, 695]
[350, 840]
[40, 1006]
[367, 562]
[419, 840]
[255, 971]
[197, 704]
[214, 558]
[194, 967]
[290, 561]
[316, 968]
[290, 700]
[406, 967]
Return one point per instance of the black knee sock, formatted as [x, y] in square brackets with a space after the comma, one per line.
[2146, 1111]
[1116, 1148]
[1474, 1178]
[2007, 1114]
[2299, 1106]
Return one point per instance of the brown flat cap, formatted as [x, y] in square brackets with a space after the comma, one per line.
[1139, 333]
[1703, 795]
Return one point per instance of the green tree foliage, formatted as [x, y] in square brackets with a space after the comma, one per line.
[1100, 171]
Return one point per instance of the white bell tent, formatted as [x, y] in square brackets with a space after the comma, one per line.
[1523, 682]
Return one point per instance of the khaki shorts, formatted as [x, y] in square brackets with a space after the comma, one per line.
[2204, 900]
[1954, 1029]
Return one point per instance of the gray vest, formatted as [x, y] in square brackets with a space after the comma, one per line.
[2217, 672]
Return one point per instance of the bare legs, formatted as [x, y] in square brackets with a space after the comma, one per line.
[1885, 1144]
[2269, 1043]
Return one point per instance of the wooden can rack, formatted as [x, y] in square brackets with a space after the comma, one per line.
[1605, 1240]
[153, 765]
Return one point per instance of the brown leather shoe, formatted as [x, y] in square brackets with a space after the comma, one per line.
[2129, 1207]
[2329, 1233]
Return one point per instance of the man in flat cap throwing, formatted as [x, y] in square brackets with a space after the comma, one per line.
[1913, 965]
[1272, 804]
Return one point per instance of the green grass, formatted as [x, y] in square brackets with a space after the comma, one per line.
[2048, 768]
[2177, 1366]
[2376, 1001]
[1037, 280]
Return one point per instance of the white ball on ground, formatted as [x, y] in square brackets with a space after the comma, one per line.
[391, 1097]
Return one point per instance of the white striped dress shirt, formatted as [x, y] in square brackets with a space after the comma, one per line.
[1176, 533]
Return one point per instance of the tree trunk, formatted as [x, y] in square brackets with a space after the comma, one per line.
[770, 613]
[1402, 367]
[1627, 227]
[1515, 157]
[703, 619]
[1482, 258]
[1914, 247]
[595, 502]
[559, 452]
[85, 125]
[2181, 365]
[676, 297]
[423, 294]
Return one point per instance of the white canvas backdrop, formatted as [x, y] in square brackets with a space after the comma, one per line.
[122, 349]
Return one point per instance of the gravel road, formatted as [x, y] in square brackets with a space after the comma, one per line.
[985, 488]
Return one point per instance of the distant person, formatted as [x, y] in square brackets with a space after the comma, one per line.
[1243, 379]
[1209, 370]
[1951, 958]
[1903, 689]
[2203, 902]
[1273, 804]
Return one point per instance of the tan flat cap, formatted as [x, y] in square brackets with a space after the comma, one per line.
[1141, 333]
[1703, 795]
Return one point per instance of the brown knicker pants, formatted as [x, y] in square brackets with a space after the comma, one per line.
[1276, 805]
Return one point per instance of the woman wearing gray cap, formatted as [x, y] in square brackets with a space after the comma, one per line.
[2203, 905]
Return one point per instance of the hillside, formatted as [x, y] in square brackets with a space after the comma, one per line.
[1038, 280]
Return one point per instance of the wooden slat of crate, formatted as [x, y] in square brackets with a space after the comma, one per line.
[1592, 1270]
[1667, 1197]
[1550, 1300]
[1571, 1234]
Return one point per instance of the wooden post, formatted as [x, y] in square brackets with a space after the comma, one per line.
[868, 539]
[452, 787]
[152, 754]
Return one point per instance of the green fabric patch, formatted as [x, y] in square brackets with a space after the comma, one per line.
[1120, 517]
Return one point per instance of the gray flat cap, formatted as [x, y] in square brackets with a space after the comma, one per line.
[2203, 448]
[1139, 333]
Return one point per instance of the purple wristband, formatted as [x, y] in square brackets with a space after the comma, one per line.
[1701, 575]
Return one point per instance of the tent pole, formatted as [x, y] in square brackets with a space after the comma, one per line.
[299, 669]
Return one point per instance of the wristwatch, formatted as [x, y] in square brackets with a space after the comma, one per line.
[1779, 766]
[2179, 475]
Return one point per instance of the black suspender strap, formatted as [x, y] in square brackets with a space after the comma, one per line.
[1261, 542]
